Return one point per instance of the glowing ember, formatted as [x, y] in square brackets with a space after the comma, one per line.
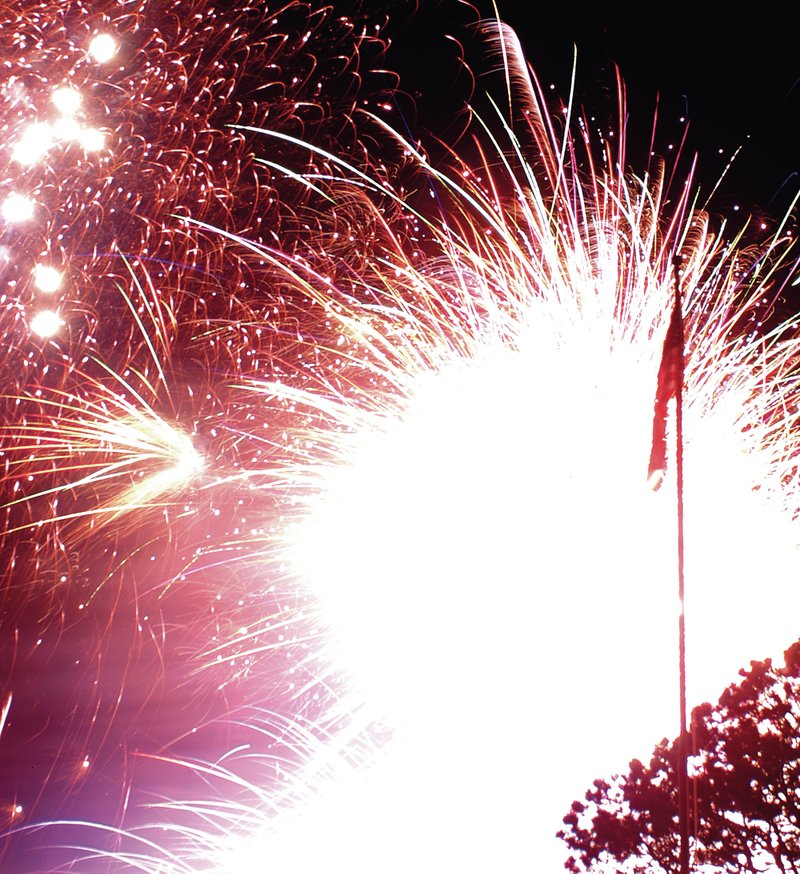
[17, 208]
[67, 100]
[47, 279]
[103, 47]
[46, 323]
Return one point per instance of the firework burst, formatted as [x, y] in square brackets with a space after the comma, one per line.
[438, 555]
[488, 616]
[126, 447]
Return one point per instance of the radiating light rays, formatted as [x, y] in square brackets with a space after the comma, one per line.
[150, 456]
[98, 433]
[473, 519]
[4, 712]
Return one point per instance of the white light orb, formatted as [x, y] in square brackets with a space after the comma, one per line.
[103, 47]
[46, 323]
[46, 278]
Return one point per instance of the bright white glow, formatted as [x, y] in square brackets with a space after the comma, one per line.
[67, 128]
[499, 580]
[188, 461]
[67, 100]
[92, 139]
[492, 569]
[46, 278]
[34, 143]
[486, 549]
[103, 47]
[46, 323]
[148, 437]
[5, 711]
[354, 820]
[17, 208]
[146, 458]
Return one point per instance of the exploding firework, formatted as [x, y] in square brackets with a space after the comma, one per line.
[127, 448]
[490, 576]
[414, 470]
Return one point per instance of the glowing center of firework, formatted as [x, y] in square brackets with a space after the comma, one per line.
[468, 532]
[189, 461]
[103, 47]
[46, 323]
[492, 552]
[167, 444]
[17, 208]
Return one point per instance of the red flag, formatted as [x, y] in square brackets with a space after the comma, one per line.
[670, 378]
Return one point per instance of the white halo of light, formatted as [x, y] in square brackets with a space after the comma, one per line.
[103, 47]
[46, 323]
[67, 128]
[34, 143]
[46, 278]
[92, 139]
[482, 543]
[67, 100]
[17, 208]
[467, 526]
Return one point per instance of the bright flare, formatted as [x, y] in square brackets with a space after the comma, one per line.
[103, 47]
[17, 208]
[67, 100]
[46, 323]
[34, 144]
[494, 578]
[118, 454]
[46, 278]
[480, 598]
[92, 139]
[67, 128]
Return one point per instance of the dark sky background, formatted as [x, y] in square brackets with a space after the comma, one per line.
[734, 77]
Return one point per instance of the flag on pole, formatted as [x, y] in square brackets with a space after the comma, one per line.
[670, 379]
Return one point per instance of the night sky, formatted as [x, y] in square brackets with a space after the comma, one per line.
[736, 78]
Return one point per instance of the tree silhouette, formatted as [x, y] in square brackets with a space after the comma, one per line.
[744, 789]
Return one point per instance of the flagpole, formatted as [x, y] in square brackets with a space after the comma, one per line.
[683, 740]
[670, 385]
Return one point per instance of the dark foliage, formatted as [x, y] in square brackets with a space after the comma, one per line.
[744, 780]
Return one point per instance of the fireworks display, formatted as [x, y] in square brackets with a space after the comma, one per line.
[126, 443]
[327, 533]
